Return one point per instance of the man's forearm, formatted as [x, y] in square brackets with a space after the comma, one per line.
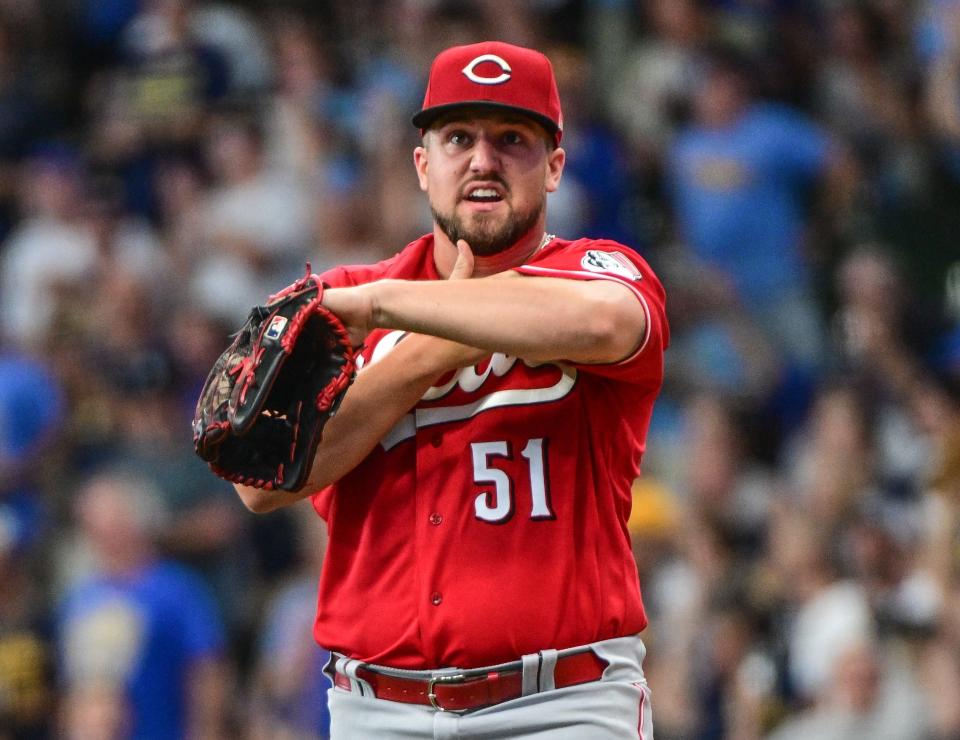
[382, 393]
[379, 398]
[535, 318]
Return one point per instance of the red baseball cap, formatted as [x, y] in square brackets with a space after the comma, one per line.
[496, 75]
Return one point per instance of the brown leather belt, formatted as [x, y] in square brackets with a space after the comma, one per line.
[472, 689]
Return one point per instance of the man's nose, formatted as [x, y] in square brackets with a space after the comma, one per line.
[484, 157]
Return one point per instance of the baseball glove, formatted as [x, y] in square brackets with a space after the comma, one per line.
[268, 397]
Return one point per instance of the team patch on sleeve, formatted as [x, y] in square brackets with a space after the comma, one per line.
[611, 262]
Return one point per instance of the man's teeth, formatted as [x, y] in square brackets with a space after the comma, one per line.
[484, 194]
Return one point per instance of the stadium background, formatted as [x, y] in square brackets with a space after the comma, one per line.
[797, 525]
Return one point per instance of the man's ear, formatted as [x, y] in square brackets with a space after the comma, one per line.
[555, 161]
[420, 156]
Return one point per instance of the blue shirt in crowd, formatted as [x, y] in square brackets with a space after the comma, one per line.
[31, 404]
[739, 195]
[146, 632]
[31, 409]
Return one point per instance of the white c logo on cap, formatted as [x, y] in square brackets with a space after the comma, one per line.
[499, 61]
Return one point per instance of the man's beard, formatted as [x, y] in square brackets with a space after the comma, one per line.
[483, 235]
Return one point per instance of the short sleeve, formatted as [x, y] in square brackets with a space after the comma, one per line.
[589, 259]
[342, 277]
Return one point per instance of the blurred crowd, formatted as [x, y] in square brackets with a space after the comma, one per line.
[791, 169]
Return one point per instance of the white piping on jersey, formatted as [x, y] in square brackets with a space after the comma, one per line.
[407, 426]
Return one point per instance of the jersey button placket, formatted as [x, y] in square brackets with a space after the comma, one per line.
[435, 518]
[436, 598]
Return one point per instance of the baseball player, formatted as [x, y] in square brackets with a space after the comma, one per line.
[479, 581]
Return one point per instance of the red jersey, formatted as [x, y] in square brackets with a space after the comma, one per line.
[491, 522]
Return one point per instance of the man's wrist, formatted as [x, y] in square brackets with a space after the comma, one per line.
[372, 295]
[426, 357]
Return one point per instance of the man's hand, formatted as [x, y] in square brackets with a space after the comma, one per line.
[463, 267]
[357, 307]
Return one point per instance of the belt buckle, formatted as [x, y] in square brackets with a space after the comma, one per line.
[446, 678]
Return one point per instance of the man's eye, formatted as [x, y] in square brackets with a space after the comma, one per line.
[513, 138]
[459, 138]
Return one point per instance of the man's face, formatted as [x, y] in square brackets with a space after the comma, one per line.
[487, 175]
[720, 98]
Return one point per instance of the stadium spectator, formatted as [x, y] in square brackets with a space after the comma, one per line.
[592, 200]
[652, 93]
[739, 177]
[943, 83]
[871, 695]
[289, 687]
[830, 461]
[153, 103]
[884, 334]
[299, 135]
[256, 220]
[48, 257]
[234, 33]
[939, 661]
[716, 346]
[27, 691]
[32, 417]
[25, 117]
[862, 95]
[140, 642]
